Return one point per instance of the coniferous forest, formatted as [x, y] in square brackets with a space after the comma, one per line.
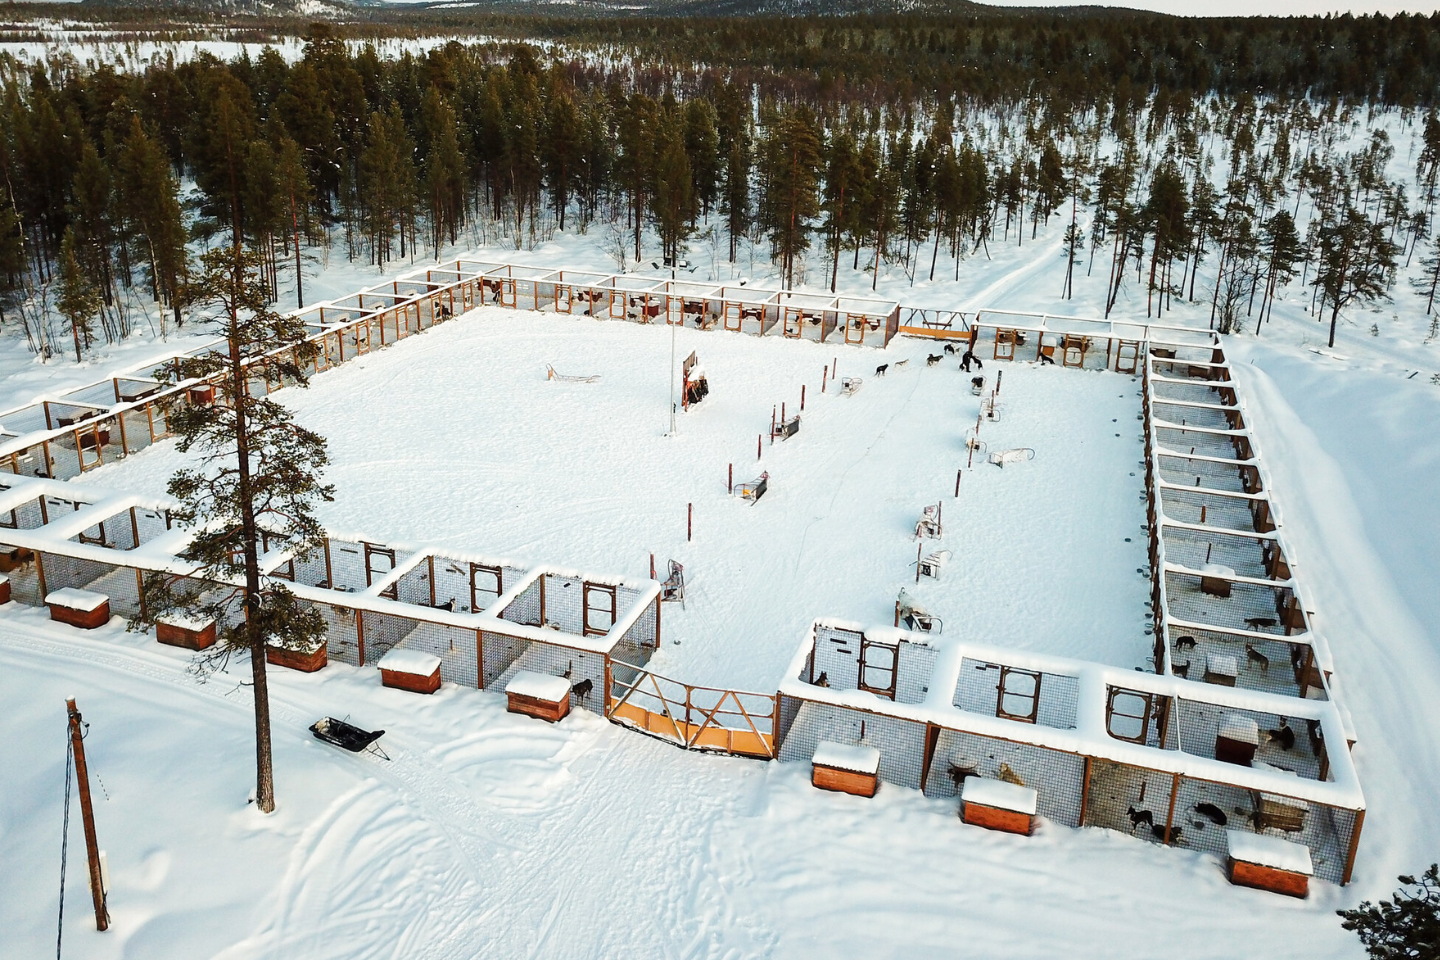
[1265, 150]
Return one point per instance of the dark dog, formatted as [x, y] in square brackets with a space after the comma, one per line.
[1212, 813]
[1282, 735]
[1185, 643]
[1256, 623]
[932, 359]
[447, 605]
[958, 774]
[1044, 359]
[968, 358]
[823, 680]
[582, 689]
[1181, 670]
[1158, 832]
[880, 370]
[950, 348]
[1138, 817]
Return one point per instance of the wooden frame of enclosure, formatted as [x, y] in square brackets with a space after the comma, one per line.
[85, 427]
[1080, 745]
[375, 597]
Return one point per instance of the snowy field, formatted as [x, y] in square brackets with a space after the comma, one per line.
[456, 438]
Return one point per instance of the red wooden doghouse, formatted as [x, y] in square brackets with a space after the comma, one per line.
[538, 695]
[306, 660]
[1236, 739]
[411, 670]
[192, 633]
[1268, 863]
[845, 767]
[79, 608]
[4, 588]
[998, 805]
[1222, 669]
[1215, 579]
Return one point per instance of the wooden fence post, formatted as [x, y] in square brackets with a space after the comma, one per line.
[87, 814]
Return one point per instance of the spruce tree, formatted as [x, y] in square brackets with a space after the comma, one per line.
[79, 298]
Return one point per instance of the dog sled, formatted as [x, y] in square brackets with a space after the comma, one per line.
[347, 736]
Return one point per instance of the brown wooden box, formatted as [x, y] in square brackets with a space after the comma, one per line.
[202, 394]
[4, 589]
[1215, 586]
[993, 818]
[1234, 751]
[542, 709]
[84, 619]
[1268, 878]
[844, 781]
[191, 638]
[302, 660]
[414, 682]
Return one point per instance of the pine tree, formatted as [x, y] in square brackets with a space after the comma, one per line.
[1406, 927]
[258, 482]
[672, 186]
[79, 299]
[1426, 285]
[1357, 263]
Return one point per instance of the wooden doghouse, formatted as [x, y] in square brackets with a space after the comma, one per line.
[1275, 811]
[538, 695]
[1268, 863]
[4, 588]
[846, 768]
[998, 805]
[13, 557]
[79, 608]
[1221, 668]
[306, 660]
[192, 633]
[1214, 579]
[1236, 739]
[411, 670]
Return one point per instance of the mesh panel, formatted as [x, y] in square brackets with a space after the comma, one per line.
[150, 524]
[383, 632]
[347, 564]
[500, 651]
[117, 583]
[455, 646]
[557, 661]
[901, 742]
[1200, 725]
[342, 641]
[1057, 777]
[526, 607]
[977, 690]
[1117, 787]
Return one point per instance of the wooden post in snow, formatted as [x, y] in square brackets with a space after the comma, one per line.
[730, 481]
[919, 547]
[802, 396]
[87, 814]
[957, 484]
[689, 521]
[824, 376]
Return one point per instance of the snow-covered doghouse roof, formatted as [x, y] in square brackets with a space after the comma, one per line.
[161, 554]
[1090, 734]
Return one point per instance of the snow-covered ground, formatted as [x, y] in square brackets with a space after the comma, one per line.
[456, 437]
[494, 835]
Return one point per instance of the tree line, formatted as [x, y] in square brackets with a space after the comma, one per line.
[113, 180]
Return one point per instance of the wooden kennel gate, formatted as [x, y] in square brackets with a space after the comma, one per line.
[696, 718]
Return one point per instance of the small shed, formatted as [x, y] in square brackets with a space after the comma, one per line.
[1236, 739]
[1222, 669]
[79, 608]
[846, 768]
[1215, 579]
[305, 659]
[1268, 863]
[412, 670]
[178, 630]
[998, 805]
[538, 695]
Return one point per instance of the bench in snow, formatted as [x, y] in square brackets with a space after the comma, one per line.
[538, 695]
[411, 670]
[1268, 863]
[178, 630]
[846, 768]
[79, 608]
[998, 805]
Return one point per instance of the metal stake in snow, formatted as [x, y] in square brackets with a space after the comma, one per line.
[999, 374]
[672, 378]
[87, 815]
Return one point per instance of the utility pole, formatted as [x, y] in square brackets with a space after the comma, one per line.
[87, 814]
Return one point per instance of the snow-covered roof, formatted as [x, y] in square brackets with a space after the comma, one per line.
[1000, 795]
[847, 756]
[1266, 851]
[416, 662]
[538, 686]
[73, 599]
